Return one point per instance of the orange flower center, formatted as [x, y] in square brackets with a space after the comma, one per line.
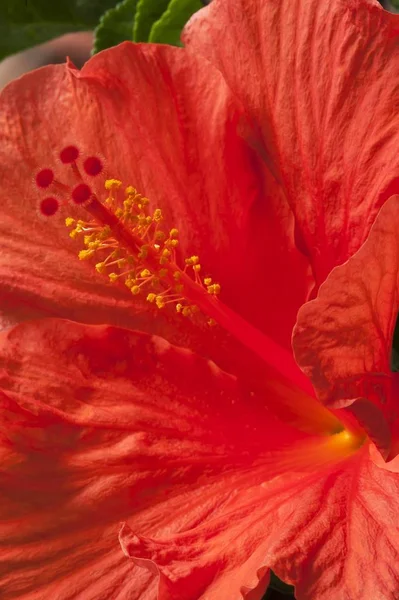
[130, 244]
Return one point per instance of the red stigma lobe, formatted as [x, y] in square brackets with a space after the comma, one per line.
[49, 206]
[81, 193]
[93, 166]
[44, 178]
[69, 154]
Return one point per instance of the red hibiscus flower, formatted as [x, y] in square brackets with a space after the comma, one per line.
[263, 174]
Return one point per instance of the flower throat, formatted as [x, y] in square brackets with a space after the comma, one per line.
[128, 243]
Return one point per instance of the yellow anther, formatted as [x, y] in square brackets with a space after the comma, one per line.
[133, 260]
[211, 322]
[192, 309]
[157, 215]
[100, 267]
[105, 233]
[112, 184]
[143, 252]
[193, 260]
[85, 254]
[94, 245]
[87, 239]
[214, 288]
[159, 301]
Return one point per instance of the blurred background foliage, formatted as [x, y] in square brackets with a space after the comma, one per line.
[26, 26]
[26, 23]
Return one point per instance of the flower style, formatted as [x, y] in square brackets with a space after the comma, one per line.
[262, 176]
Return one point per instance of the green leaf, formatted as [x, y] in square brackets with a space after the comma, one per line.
[147, 13]
[115, 26]
[168, 28]
[25, 23]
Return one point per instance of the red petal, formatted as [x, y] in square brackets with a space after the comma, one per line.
[342, 541]
[166, 123]
[100, 425]
[53, 544]
[332, 534]
[320, 81]
[343, 338]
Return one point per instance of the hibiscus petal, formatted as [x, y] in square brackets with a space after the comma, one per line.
[101, 425]
[320, 81]
[343, 338]
[340, 540]
[166, 123]
[332, 534]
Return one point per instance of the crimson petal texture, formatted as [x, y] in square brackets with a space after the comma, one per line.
[332, 534]
[319, 80]
[59, 509]
[165, 122]
[343, 338]
[100, 425]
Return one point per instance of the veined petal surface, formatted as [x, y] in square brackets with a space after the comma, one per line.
[102, 433]
[320, 81]
[332, 534]
[343, 338]
[165, 122]
[100, 425]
